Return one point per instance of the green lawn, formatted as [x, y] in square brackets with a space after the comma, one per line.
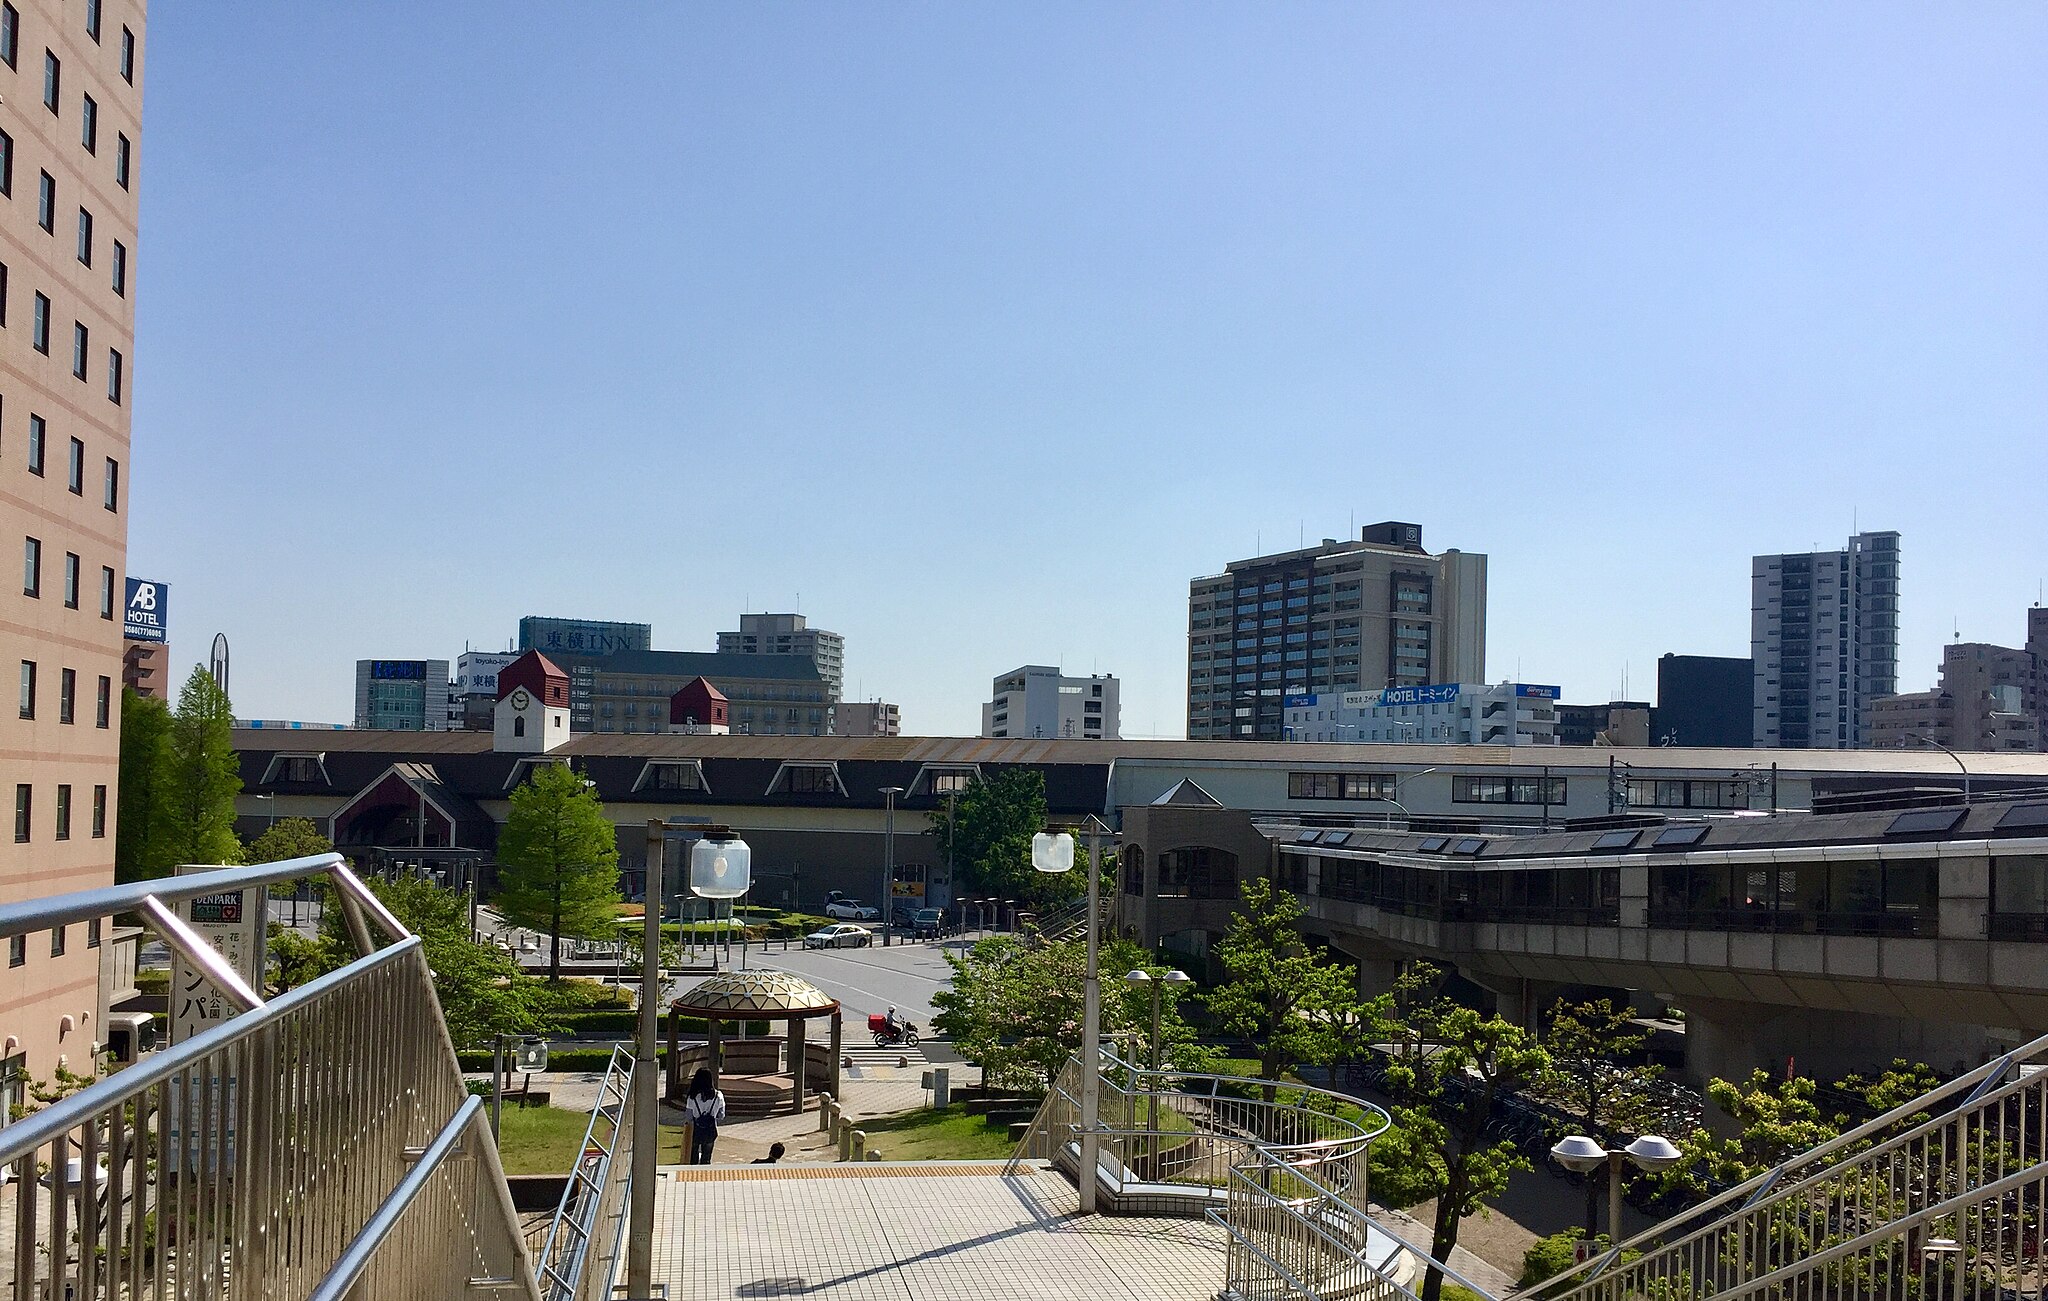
[547, 1140]
[929, 1135]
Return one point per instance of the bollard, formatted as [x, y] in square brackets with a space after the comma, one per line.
[860, 1145]
[824, 1113]
[874, 1154]
[942, 1087]
[845, 1142]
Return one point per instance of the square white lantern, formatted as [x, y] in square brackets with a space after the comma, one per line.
[1052, 854]
[721, 869]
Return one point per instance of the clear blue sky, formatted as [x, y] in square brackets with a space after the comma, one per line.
[984, 329]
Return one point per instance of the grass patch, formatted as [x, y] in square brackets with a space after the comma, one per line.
[548, 1140]
[934, 1135]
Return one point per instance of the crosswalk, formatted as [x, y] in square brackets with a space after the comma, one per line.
[868, 1056]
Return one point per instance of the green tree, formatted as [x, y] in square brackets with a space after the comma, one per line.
[1592, 1075]
[143, 841]
[559, 861]
[988, 840]
[291, 838]
[1015, 1008]
[1451, 1064]
[1294, 1003]
[206, 774]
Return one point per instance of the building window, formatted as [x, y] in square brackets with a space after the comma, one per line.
[1507, 790]
[120, 270]
[1340, 785]
[71, 580]
[122, 149]
[675, 777]
[23, 799]
[74, 472]
[6, 164]
[1669, 794]
[84, 237]
[63, 815]
[67, 700]
[81, 340]
[10, 33]
[92, 20]
[114, 376]
[809, 780]
[89, 125]
[106, 592]
[32, 567]
[53, 80]
[103, 706]
[46, 203]
[110, 494]
[92, 931]
[37, 436]
[127, 56]
[28, 688]
[57, 933]
[41, 337]
[17, 949]
[99, 827]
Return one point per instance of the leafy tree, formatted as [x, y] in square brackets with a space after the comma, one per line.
[1294, 1003]
[1589, 1044]
[1451, 1064]
[291, 838]
[988, 840]
[481, 989]
[559, 861]
[1016, 1008]
[143, 839]
[205, 776]
[1777, 1120]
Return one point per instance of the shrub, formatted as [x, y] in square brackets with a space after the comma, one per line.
[1551, 1256]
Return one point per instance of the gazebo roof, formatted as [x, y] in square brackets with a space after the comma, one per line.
[771, 994]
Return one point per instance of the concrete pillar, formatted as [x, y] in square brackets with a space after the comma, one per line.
[675, 1068]
[796, 1061]
[836, 1019]
[711, 1038]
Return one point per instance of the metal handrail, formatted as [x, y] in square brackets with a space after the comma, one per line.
[362, 1251]
[590, 1187]
[105, 901]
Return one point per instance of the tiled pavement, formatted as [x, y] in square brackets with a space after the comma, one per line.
[919, 1231]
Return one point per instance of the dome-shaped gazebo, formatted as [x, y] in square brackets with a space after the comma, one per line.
[757, 995]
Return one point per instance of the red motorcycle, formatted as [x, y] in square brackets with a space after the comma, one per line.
[888, 1036]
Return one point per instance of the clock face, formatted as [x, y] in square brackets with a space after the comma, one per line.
[520, 699]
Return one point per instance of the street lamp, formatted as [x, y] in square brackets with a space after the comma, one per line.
[1649, 1153]
[1054, 854]
[1142, 979]
[1928, 740]
[888, 900]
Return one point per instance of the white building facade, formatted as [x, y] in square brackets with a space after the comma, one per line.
[1824, 643]
[1039, 701]
[1455, 713]
[791, 634]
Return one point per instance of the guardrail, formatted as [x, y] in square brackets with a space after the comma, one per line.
[317, 1145]
[1942, 1197]
[580, 1259]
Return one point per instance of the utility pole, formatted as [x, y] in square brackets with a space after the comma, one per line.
[646, 1065]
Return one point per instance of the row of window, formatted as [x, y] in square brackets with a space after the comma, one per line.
[67, 696]
[10, 44]
[24, 812]
[81, 334]
[17, 945]
[1507, 790]
[1340, 786]
[74, 466]
[32, 577]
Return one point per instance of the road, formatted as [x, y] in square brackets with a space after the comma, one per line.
[868, 980]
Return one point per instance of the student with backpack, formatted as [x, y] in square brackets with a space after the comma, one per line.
[704, 1109]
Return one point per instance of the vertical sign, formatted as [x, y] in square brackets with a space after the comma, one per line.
[233, 923]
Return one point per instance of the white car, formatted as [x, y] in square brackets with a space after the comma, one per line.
[843, 936]
[851, 910]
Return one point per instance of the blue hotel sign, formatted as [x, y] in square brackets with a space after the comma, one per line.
[1440, 694]
[148, 608]
[1530, 691]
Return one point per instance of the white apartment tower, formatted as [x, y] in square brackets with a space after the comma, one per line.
[790, 634]
[1824, 640]
[1039, 701]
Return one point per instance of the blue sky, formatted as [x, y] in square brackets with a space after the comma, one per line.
[979, 331]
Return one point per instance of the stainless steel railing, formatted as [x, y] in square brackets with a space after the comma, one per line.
[580, 1258]
[321, 1144]
[1942, 1197]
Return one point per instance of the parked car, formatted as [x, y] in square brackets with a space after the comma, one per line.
[902, 916]
[927, 923]
[850, 910]
[843, 936]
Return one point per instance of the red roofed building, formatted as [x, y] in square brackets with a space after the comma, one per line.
[699, 708]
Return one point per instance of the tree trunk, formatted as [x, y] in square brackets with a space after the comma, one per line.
[555, 939]
[1444, 1237]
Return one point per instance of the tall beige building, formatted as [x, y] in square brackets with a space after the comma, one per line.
[70, 135]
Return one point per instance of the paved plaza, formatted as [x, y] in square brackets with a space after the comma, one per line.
[918, 1231]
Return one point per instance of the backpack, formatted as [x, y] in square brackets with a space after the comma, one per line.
[704, 1115]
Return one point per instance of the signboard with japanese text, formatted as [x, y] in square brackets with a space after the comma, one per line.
[233, 923]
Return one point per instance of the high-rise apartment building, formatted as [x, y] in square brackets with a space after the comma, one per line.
[70, 130]
[1345, 616]
[790, 634]
[1989, 698]
[866, 718]
[1038, 700]
[1824, 642]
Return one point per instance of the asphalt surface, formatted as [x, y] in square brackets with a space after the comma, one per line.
[870, 979]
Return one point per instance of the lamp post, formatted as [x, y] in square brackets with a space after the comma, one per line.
[888, 899]
[1055, 854]
[1650, 1153]
[1142, 979]
[1928, 740]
